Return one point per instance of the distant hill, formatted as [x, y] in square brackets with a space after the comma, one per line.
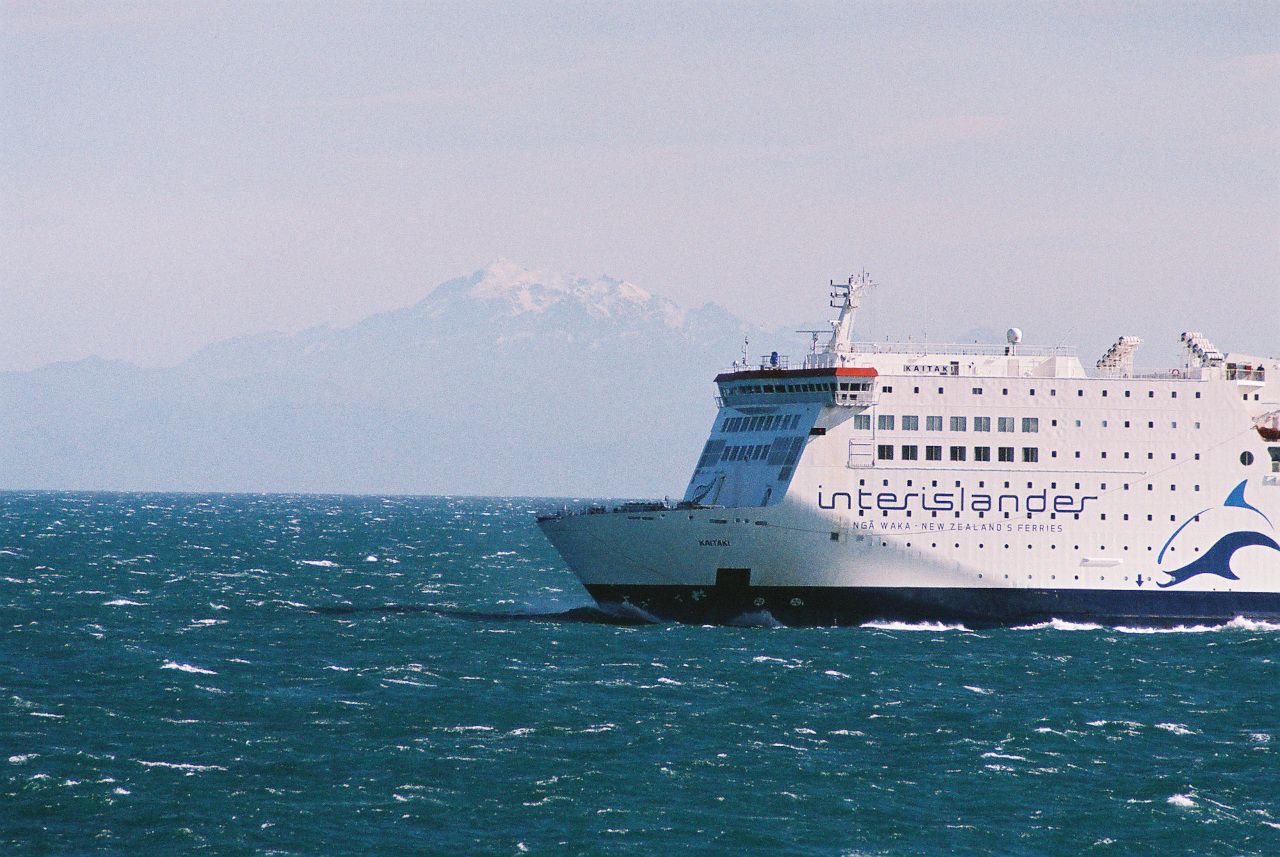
[503, 382]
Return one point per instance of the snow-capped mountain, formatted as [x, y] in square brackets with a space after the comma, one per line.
[503, 382]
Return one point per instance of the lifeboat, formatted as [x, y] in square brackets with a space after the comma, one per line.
[1268, 425]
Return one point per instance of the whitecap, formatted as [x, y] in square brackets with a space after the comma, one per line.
[123, 602]
[319, 563]
[835, 674]
[1175, 728]
[914, 626]
[186, 668]
[1181, 800]
[1243, 624]
[46, 714]
[1175, 629]
[23, 758]
[1004, 756]
[371, 558]
[181, 766]
[670, 681]
[207, 622]
[1059, 625]
[982, 690]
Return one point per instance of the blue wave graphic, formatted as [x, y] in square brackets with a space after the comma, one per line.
[1217, 560]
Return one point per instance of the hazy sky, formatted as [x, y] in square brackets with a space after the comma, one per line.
[178, 173]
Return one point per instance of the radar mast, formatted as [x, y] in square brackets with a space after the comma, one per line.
[847, 297]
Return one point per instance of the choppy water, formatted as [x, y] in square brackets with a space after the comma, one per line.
[331, 675]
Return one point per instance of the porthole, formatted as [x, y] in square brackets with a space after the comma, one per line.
[1246, 458]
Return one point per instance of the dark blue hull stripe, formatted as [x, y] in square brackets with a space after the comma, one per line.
[812, 605]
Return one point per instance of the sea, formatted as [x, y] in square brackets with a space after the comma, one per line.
[277, 674]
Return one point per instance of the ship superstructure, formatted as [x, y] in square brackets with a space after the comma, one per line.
[985, 484]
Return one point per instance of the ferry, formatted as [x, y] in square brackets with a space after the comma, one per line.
[985, 485]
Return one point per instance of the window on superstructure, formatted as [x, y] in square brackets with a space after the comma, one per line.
[1031, 424]
[1005, 424]
[862, 422]
[959, 423]
[933, 453]
[957, 453]
[884, 422]
[1030, 454]
[982, 423]
[910, 453]
[933, 423]
[910, 423]
[982, 453]
[884, 452]
[1005, 453]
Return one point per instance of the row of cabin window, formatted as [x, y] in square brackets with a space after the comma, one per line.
[783, 450]
[885, 422]
[751, 452]
[783, 388]
[775, 422]
[911, 452]
[1004, 391]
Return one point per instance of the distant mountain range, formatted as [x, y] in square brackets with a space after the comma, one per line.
[503, 382]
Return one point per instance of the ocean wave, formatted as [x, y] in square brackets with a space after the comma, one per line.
[913, 626]
[755, 619]
[186, 668]
[1058, 625]
[181, 766]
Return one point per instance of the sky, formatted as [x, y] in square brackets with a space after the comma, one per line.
[173, 174]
